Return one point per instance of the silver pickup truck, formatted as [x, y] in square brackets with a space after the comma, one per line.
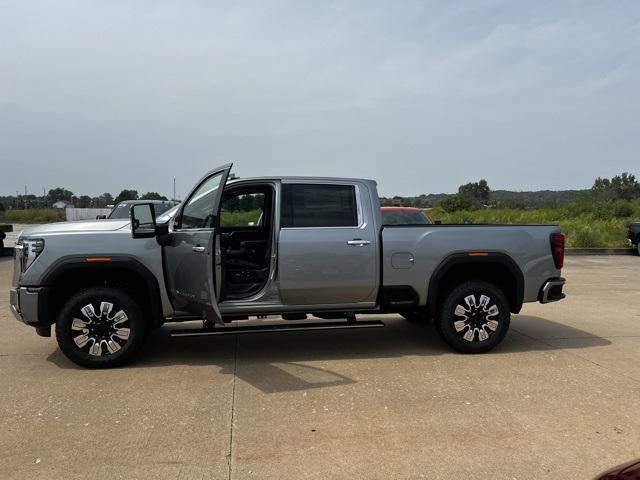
[237, 251]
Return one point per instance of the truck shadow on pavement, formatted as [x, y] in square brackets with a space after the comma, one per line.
[276, 362]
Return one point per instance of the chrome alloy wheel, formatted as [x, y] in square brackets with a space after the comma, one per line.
[479, 318]
[102, 333]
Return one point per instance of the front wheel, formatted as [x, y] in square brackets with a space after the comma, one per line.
[474, 317]
[100, 328]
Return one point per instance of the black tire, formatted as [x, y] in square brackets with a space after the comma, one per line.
[416, 316]
[77, 340]
[467, 337]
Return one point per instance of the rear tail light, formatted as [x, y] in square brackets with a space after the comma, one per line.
[557, 249]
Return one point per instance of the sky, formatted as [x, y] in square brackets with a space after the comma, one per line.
[97, 96]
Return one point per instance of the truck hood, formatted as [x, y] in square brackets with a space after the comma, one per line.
[78, 226]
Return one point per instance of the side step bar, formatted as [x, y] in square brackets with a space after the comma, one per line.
[193, 332]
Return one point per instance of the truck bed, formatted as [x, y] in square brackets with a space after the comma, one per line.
[411, 254]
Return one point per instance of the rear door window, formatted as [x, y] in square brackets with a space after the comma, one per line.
[318, 205]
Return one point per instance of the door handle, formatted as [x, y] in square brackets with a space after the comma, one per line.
[199, 249]
[358, 242]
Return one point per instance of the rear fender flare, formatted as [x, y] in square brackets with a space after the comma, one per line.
[464, 258]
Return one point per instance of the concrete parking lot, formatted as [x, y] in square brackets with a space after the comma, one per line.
[558, 399]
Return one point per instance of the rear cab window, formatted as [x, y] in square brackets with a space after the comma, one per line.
[319, 205]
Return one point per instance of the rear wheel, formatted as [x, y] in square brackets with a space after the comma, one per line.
[100, 328]
[474, 317]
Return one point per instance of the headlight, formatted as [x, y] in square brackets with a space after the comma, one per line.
[31, 248]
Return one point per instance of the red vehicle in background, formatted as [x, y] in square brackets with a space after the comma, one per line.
[404, 216]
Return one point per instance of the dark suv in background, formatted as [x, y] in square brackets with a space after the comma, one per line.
[634, 235]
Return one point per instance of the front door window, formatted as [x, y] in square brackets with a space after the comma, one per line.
[200, 210]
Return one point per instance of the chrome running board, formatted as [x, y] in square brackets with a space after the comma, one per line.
[286, 327]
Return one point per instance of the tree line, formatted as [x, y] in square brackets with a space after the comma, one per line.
[477, 195]
[61, 194]
[470, 196]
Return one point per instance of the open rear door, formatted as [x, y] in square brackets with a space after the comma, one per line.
[192, 264]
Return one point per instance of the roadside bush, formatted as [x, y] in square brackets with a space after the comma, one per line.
[587, 237]
[622, 209]
[34, 216]
[586, 224]
[573, 210]
[455, 204]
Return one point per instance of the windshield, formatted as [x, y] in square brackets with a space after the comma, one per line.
[120, 211]
[404, 217]
[168, 215]
[161, 208]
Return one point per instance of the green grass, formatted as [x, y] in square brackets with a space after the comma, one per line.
[239, 218]
[33, 216]
[586, 224]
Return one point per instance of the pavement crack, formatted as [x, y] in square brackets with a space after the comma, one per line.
[233, 404]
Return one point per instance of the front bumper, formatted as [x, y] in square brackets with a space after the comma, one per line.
[28, 306]
[551, 291]
[14, 304]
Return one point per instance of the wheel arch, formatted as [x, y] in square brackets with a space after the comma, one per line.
[71, 274]
[495, 267]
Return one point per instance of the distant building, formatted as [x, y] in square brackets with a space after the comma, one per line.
[61, 204]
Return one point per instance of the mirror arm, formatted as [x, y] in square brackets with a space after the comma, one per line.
[162, 229]
[163, 237]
